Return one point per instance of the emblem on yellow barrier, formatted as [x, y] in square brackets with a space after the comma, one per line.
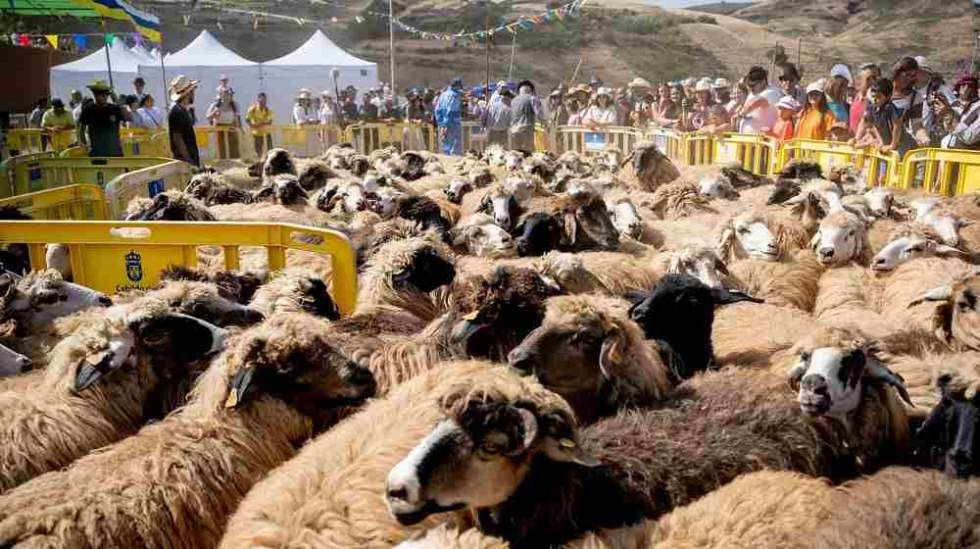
[134, 266]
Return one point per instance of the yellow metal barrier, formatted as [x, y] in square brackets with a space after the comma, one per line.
[943, 171]
[113, 256]
[10, 166]
[880, 169]
[698, 149]
[367, 137]
[670, 142]
[71, 202]
[828, 154]
[755, 153]
[585, 140]
[223, 143]
[475, 136]
[74, 152]
[47, 173]
[34, 140]
[147, 182]
[144, 144]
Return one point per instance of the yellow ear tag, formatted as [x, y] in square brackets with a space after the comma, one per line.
[566, 443]
[232, 399]
[472, 315]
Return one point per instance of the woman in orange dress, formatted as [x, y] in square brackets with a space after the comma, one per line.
[816, 120]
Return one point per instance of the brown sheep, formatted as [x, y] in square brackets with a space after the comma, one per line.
[646, 168]
[237, 286]
[168, 206]
[676, 200]
[295, 289]
[402, 273]
[78, 407]
[759, 235]
[179, 479]
[956, 320]
[791, 282]
[589, 351]
[211, 188]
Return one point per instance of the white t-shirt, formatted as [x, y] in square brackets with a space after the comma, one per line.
[764, 116]
[149, 117]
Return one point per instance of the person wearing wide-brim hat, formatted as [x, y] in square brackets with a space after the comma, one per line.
[581, 93]
[303, 113]
[181, 119]
[98, 123]
[639, 84]
[602, 112]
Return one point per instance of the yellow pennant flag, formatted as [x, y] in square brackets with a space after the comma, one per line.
[53, 40]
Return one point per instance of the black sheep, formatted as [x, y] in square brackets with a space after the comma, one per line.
[426, 212]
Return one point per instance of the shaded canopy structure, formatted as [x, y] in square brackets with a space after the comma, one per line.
[312, 66]
[205, 59]
[81, 72]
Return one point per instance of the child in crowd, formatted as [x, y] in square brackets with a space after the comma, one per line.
[717, 121]
[881, 125]
[787, 107]
[817, 119]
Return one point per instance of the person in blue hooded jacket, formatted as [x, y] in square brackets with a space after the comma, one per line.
[449, 118]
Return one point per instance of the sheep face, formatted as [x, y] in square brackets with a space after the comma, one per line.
[352, 197]
[278, 161]
[945, 224]
[12, 362]
[521, 188]
[506, 308]
[625, 218]
[203, 300]
[957, 317]
[907, 248]
[539, 233]
[837, 243]
[315, 299]
[478, 459]
[701, 263]
[830, 380]
[653, 166]
[426, 272]
[170, 340]
[880, 201]
[384, 202]
[948, 438]
[484, 240]
[502, 205]
[37, 299]
[425, 212]
[748, 236]
[171, 206]
[292, 358]
[513, 160]
[287, 191]
[457, 189]
[716, 186]
[591, 227]
[783, 190]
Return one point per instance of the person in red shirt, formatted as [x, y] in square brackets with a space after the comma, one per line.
[867, 75]
[783, 129]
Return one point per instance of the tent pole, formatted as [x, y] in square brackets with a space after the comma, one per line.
[513, 47]
[108, 60]
[163, 73]
[391, 43]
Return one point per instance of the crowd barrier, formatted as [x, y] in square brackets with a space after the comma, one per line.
[146, 182]
[26, 175]
[670, 142]
[71, 202]
[113, 256]
[941, 171]
[404, 136]
[584, 140]
[755, 153]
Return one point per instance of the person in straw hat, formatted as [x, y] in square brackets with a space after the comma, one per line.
[98, 124]
[223, 113]
[703, 101]
[303, 113]
[183, 142]
[602, 112]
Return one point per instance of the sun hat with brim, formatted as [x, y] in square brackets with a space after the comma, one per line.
[815, 86]
[100, 86]
[689, 82]
[304, 94]
[923, 63]
[788, 103]
[181, 86]
[842, 70]
[702, 86]
[722, 83]
[603, 92]
[639, 83]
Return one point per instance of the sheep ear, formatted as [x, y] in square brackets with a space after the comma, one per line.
[724, 296]
[611, 353]
[942, 293]
[876, 370]
[724, 248]
[571, 228]
[238, 386]
[795, 374]
[97, 365]
[943, 249]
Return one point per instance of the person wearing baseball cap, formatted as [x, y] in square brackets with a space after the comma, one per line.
[722, 90]
[784, 127]
[817, 119]
[183, 141]
[98, 123]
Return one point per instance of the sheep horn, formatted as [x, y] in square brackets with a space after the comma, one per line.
[724, 296]
[239, 384]
[795, 374]
[877, 370]
[941, 293]
[530, 424]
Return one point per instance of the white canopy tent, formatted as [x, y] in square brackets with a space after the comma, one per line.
[81, 72]
[205, 59]
[139, 51]
[311, 66]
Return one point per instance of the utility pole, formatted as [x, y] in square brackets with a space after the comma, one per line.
[391, 44]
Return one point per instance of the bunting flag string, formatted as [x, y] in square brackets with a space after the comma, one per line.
[80, 40]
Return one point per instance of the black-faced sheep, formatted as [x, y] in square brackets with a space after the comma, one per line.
[210, 188]
[590, 352]
[204, 301]
[314, 175]
[277, 162]
[947, 439]
[168, 206]
[584, 221]
[402, 273]
[277, 384]
[282, 189]
[646, 168]
[534, 480]
[295, 289]
[100, 385]
[425, 212]
[332, 492]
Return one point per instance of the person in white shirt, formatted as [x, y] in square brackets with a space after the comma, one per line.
[224, 113]
[303, 113]
[148, 115]
[602, 112]
[328, 109]
[759, 113]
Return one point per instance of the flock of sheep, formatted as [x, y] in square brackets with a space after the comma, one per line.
[546, 351]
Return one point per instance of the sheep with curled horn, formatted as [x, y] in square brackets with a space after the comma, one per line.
[646, 168]
[101, 384]
[592, 354]
[332, 492]
[168, 206]
[277, 385]
[535, 479]
[210, 187]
